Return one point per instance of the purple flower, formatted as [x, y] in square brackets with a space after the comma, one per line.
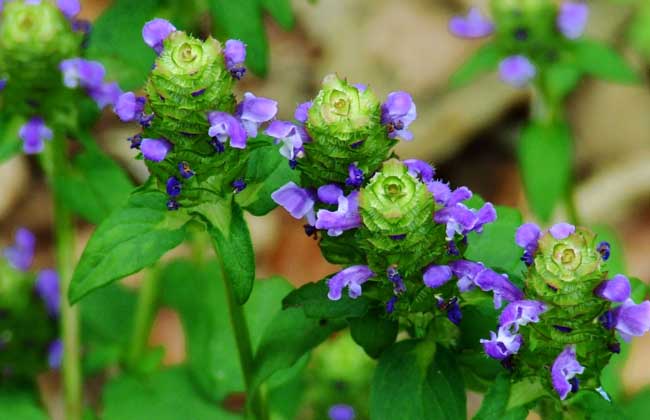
[238, 185]
[466, 272]
[341, 412]
[47, 287]
[234, 54]
[564, 369]
[173, 186]
[420, 170]
[440, 190]
[224, 126]
[329, 194]
[617, 289]
[129, 107]
[352, 277]
[302, 112]
[155, 32]
[355, 176]
[527, 237]
[155, 150]
[288, 134]
[632, 319]
[562, 231]
[78, 72]
[521, 312]
[344, 218]
[461, 220]
[21, 254]
[572, 19]
[70, 8]
[297, 201]
[55, 354]
[437, 275]
[502, 345]
[253, 111]
[517, 70]
[474, 25]
[458, 195]
[105, 94]
[488, 280]
[397, 113]
[185, 170]
[34, 133]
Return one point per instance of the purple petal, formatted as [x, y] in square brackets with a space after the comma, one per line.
[129, 107]
[565, 367]
[302, 112]
[517, 70]
[437, 275]
[344, 218]
[70, 8]
[341, 412]
[21, 254]
[234, 53]
[288, 134]
[355, 176]
[459, 219]
[361, 87]
[502, 345]
[34, 133]
[297, 201]
[352, 277]
[440, 190]
[155, 149]
[474, 25]
[106, 94]
[155, 32]
[254, 111]
[632, 319]
[521, 312]
[562, 231]
[572, 19]
[330, 193]
[85, 73]
[488, 280]
[420, 169]
[486, 214]
[527, 236]
[55, 354]
[224, 126]
[466, 272]
[47, 287]
[460, 194]
[617, 289]
[397, 113]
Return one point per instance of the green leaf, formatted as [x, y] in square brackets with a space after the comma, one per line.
[495, 246]
[545, 155]
[592, 405]
[495, 403]
[559, 80]
[10, 143]
[281, 12]
[117, 42]
[599, 60]
[414, 380]
[312, 298]
[638, 406]
[165, 395]
[267, 171]
[485, 59]
[374, 333]
[132, 238]
[242, 20]
[94, 186]
[235, 249]
[20, 405]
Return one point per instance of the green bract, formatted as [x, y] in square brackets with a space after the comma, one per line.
[345, 126]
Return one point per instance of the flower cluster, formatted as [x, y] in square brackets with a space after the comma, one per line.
[194, 133]
[30, 305]
[528, 34]
[40, 46]
[562, 328]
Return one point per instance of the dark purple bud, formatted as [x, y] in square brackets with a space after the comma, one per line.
[394, 276]
[615, 347]
[172, 205]
[604, 249]
[185, 170]
[238, 185]
[219, 147]
[398, 237]
[607, 320]
[575, 384]
[173, 186]
[357, 144]
[135, 141]
[198, 92]
[55, 354]
[310, 231]
[562, 328]
[390, 305]
[355, 176]
[453, 311]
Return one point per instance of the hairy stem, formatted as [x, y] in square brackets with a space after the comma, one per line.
[144, 317]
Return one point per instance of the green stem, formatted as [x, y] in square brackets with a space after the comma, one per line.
[244, 347]
[54, 164]
[571, 207]
[144, 317]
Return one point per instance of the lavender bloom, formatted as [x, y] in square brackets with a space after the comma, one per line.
[129, 107]
[34, 133]
[527, 237]
[521, 312]
[344, 218]
[617, 289]
[253, 111]
[21, 254]
[466, 272]
[155, 32]
[302, 112]
[420, 169]
[459, 219]
[458, 195]
[288, 134]
[55, 354]
[70, 8]
[440, 190]
[437, 275]
[78, 72]
[562, 231]
[355, 176]
[564, 369]
[488, 280]
[297, 201]
[341, 412]
[173, 186]
[224, 126]
[329, 194]
[105, 94]
[572, 19]
[502, 345]
[472, 26]
[397, 113]
[517, 70]
[632, 319]
[234, 54]
[47, 287]
[155, 150]
[352, 277]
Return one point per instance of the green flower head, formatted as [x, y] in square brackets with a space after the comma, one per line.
[521, 25]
